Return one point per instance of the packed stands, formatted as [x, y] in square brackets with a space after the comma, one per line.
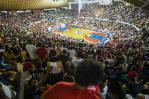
[46, 58]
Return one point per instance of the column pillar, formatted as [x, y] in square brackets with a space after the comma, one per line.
[79, 6]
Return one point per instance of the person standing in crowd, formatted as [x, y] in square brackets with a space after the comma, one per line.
[6, 92]
[31, 49]
[87, 73]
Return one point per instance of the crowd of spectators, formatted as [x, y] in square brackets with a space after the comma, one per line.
[119, 11]
[47, 58]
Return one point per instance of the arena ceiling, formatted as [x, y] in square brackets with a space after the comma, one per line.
[46, 4]
[30, 4]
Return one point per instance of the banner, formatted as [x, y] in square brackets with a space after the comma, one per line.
[105, 2]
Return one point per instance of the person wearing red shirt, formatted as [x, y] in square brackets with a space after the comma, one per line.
[132, 73]
[87, 73]
[41, 52]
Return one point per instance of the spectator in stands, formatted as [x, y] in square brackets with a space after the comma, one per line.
[56, 68]
[31, 49]
[87, 73]
[78, 58]
[6, 92]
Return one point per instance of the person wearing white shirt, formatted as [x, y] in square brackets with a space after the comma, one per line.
[76, 60]
[6, 92]
[56, 72]
[72, 53]
[31, 50]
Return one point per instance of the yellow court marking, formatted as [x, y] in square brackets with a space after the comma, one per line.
[77, 33]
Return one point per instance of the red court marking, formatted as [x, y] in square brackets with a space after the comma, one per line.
[99, 34]
[57, 31]
[93, 41]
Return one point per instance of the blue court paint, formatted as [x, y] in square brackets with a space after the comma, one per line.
[97, 37]
[62, 29]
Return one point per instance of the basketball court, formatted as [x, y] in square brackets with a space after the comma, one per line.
[87, 35]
